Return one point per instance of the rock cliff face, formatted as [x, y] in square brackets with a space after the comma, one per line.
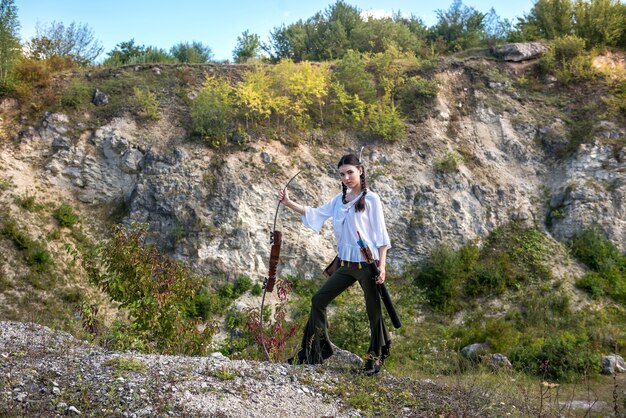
[482, 158]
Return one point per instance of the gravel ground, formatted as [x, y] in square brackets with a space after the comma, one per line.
[47, 373]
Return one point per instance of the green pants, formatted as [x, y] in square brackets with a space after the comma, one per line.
[316, 345]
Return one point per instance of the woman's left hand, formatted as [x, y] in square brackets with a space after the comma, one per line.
[381, 278]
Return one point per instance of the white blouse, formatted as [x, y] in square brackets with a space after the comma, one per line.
[346, 222]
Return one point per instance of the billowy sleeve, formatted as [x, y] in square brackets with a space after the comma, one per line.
[380, 237]
[314, 218]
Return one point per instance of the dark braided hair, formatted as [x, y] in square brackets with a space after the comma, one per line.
[352, 159]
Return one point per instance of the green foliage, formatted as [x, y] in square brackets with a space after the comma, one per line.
[5, 184]
[548, 19]
[35, 253]
[65, 215]
[247, 48]
[152, 55]
[194, 53]
[123, 53]
[416, 93]
[256, 290]
[77, 94]
[27, 202]
[608, 265]
[349, 327]
[10, 48]
[567, 60]
[147, 103]
[448, 162]
[600, 22]
[157, 291]
[123, 365]
[350, 72]
[458, 28]
[385, 121]
[442, 276]
[563, 356]
[213, 112]
[511, 255]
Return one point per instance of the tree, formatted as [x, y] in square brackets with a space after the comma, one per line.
[75, 41]
[9, 38]
[548, 19]
[248, 47]
[124, 52]
[600, 22]
[460, 27]
[194, 53]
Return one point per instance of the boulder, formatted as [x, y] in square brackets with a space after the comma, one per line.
[499, 361]
[613, 364]
[475, 351]
[100, 98]
[521, 51]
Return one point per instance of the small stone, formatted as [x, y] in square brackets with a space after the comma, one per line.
[73, 410]
[56, 391]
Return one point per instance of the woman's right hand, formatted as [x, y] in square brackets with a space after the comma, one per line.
[283, 197]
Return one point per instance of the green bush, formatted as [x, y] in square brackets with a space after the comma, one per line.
[213, 112]
[608, 265]
[416, 93]
[562, 357]
[65, 215]
[10, 230]
[157, 291]
[39, 258]
[77, 94]
[242, 285]
[385, 122]
[147, 103]
[567, 60]
[448, 162]
[443, 276]
[592, 247]
[593, 283]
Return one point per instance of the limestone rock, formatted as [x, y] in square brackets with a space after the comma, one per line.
[521, 51]
[613, 364]
[100, 98]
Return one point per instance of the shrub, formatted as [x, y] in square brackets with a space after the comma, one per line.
[567, 60]
[608, 277]
[562, 357]
[76, 95]
[442, 276]
[416, 93]
[65, 215]
[157, 291]
[242, 285]
[213, 112]
[385, 122]
[39, 258]
[33, 72]
[27, 202]
[147, 103]
[448, 162]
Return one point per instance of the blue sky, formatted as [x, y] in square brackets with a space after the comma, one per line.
[216, 24]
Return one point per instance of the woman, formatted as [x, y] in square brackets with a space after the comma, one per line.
[354, 210]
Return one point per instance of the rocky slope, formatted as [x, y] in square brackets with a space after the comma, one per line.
[48, 374]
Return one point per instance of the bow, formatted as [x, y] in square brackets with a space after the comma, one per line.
[270, 280]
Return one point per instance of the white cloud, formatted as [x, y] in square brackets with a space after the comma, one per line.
[376, 14]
